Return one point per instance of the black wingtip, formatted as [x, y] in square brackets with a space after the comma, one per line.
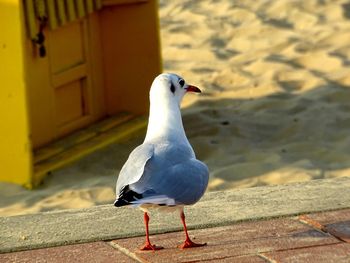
[126, 196]
[120, 202]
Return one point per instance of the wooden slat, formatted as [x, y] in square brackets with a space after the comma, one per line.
[80, 136]
[70, 75]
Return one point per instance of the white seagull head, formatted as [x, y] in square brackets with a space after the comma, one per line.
[168, 88]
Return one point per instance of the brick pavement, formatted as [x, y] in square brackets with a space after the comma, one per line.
[319, 237]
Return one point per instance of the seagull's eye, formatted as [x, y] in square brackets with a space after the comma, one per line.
[172, 88]
[181, 82]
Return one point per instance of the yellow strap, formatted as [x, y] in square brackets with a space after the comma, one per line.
[80, 8]
[98, 4]
[71, 10]
[89, 6]
[51, 13]
[61, 11]
[31, 19]
[40, 8]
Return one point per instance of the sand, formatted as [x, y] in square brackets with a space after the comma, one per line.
[275, 106]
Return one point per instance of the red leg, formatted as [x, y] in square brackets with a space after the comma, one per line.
[188, 242]
[148, 245]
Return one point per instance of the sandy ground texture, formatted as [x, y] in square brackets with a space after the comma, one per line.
[275, 107]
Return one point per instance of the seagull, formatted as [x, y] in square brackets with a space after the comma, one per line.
[163, 171]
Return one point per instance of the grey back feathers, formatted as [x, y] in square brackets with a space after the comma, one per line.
[133, 169]
[171, 172]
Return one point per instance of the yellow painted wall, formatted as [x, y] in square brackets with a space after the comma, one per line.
[131, 54]
[40, 96]
[15, 151]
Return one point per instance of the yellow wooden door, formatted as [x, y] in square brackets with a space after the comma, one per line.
[67, 90]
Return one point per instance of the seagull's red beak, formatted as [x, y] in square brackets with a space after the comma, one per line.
[191, 88]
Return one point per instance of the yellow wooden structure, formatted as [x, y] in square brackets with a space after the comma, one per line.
[84, 92]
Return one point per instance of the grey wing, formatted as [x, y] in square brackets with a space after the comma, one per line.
[134, 167]
[183, 183]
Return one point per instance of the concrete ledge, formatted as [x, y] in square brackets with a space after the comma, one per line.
[215, 209]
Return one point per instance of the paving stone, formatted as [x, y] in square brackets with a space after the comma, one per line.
[243, 259]
[337, 253]
[337, 223]
[89, 252]
[331, 216]
[244, 239]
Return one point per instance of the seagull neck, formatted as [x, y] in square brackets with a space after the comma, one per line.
[165, 122]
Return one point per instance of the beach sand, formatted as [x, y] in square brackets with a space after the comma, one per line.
[275, 106]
